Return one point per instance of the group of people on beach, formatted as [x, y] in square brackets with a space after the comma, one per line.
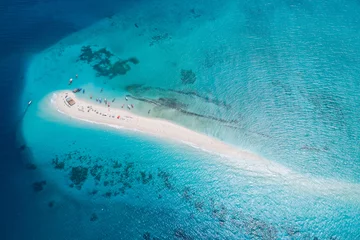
[99, 100]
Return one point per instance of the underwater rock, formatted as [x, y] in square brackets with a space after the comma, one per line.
[93, 192]
[187, 76]
[165, 176]
[78, 175]
[199, 206]
[187, 194]
[117, 165]
[22, 147]
[260, 229]
[180, 233]
[93, 217]
[119, 68]
[30, 166]
[147, 236]
[108, 194]
[57, 164]
[39, 186]
[96, 171]
[172, 103]
[51, 204]
[159, 38]
[86, 54]
[194, 13]
[133, 60]
[128, 168]
[145, 179]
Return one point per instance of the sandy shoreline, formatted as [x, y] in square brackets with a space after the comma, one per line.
[92, 111]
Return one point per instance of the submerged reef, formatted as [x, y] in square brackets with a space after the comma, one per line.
[38, 186]
[22, 147]
[187, 76]
[57, 164]
[105, 63]
[174, 105]
[51, 203]
[180, 234]
[93, 217]
[123, 175]
[159, 38]
[78, 175]
[140, 89]
[30, 166]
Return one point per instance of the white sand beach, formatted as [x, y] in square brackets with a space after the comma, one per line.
[124, 118]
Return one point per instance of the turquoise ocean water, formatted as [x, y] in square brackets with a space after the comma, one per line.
[279, 79]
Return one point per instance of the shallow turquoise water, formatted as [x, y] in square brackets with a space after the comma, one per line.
[278, 79]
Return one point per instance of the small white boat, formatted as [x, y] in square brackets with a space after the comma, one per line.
[128, 107]
[126, 98]
[29, 102]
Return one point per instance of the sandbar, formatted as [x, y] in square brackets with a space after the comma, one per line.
[123, 118]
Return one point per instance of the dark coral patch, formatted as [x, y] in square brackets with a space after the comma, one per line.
[38, 186]
[30, 166]
[147, 236]
[78, 175]
[94, 217]
[51, 204]
[133, 60]
[57, 164]
[106, 63]
[22, 147]
[187, 76]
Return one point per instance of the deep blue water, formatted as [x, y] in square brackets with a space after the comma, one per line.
[27, 27]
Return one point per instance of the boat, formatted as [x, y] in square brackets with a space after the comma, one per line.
[29, 102]
[126, 98]
[76, 90]
[128, 107]
[113, 100]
